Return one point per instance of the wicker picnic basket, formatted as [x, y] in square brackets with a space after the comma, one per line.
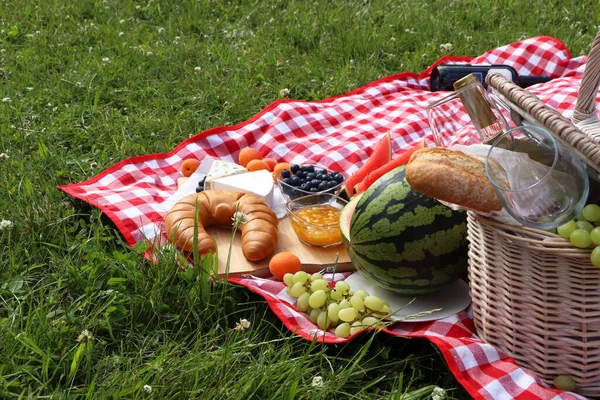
[535, 296]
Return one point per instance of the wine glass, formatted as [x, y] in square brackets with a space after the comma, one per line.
[540, 181]
[466, 116]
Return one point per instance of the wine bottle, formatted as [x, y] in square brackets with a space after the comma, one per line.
[443, 77]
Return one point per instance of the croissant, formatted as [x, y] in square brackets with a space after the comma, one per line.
[216, 207]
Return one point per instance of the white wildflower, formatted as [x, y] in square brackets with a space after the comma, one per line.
[285, 92]
[6, 100]
[84, 336]
[122, 21]
[105, 60]
[438, 393]
[392, 39]
[317, 381]
[239, 218]
[121, 34]
[148, 389]
[138, 7]
[177, 37]
[242, 325]
[272, 20]
[149, 53]
[3, 156]
[469, 38]
[93, 164]
[161, 30]
[37, 32]
[198, 69]
[446, 47]
[5, 224]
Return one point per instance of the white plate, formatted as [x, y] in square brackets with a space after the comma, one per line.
[450, 300]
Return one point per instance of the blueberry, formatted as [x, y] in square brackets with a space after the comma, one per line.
[287, 181]
[310, 168]
[295, 168]
[305, 186]
[201, 183]
[286, 173]
[315, 182]
[310, 175]
[323, 186]
[332, 184]
[314, 189]
[199, 188]
[295, 181]
[337, 177]
[320, 176]
[322, 171]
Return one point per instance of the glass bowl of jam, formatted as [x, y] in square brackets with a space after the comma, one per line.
[316, 219]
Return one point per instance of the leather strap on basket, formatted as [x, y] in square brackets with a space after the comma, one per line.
[586, 98]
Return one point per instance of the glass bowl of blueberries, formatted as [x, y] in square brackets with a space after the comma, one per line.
[303, 180]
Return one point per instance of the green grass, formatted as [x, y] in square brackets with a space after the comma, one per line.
[93, 82]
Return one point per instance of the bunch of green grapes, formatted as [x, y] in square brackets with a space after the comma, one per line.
[584, 231]
[349, 312]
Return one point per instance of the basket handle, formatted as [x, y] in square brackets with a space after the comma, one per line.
[586, 99]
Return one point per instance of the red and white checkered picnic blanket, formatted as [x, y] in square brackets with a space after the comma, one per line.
[340, 133]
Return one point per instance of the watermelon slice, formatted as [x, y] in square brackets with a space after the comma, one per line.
[398, 161]
[346, 218]
[380, 156]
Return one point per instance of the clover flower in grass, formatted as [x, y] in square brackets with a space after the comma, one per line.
[6, 100]
[285, 92]
[4, 156]
[161, 30]
[242, 325]
[148, 389]
[5, 224]
[198, 70]
[438, 394]
[317, 381]
[446, 47]
[85, 336]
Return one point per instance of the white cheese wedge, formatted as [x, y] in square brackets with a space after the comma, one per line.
[220, 169]
[258, 183]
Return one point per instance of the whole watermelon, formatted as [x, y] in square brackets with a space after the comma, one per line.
[404, 241]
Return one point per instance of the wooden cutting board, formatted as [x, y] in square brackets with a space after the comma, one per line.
[313, 258]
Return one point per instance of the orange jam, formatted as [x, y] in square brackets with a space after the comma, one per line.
[317, 225]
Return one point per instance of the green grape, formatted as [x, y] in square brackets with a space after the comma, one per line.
[566, 229]
[370, 321]
[336, 294]
[356, 327]
[288, 279]
[565, 382]
[314, 315]
[342, 330]
[357, 302]
[301, 277]
[385, 310]
[345, 304]
[317, 299]
[297, 289]
[315, 277]
[323, 320]
[591, 212]
[374, 303]
[361, 293]
[348, 314]
[595, 257]
[343, 287]
[579, 217]
[319, 285]
[585, 225]
[302, 302]
[595, 235]
[334, 309]
[288, 291]
[580, 238]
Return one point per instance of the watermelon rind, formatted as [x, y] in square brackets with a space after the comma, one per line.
[403, 241]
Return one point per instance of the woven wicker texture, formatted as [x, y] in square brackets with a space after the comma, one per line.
[537, 298]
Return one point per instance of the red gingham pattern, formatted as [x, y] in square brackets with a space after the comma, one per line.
[340, 133]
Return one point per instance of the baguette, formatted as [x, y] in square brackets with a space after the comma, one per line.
[216, 207]
[454, 177]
